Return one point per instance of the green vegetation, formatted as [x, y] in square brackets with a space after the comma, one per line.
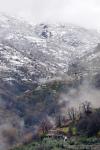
[82, 143]
[81, 126]
[83, 132]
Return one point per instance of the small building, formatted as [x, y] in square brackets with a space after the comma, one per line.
[56, 135]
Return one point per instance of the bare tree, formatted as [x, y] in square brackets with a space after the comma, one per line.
[28, 138]
[58, 120]
[86, 108]
[72, 114]
[45, 126]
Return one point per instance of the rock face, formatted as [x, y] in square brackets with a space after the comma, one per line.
[32, 60]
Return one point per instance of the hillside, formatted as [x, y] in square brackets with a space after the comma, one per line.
[43, 71]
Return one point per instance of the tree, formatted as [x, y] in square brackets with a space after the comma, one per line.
[45, 126]
[58, 121]
[72, 114]
[89, 125]
[86, 108]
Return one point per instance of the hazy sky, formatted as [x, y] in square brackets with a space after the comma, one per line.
[81, 12]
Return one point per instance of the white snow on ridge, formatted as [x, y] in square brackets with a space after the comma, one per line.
[43, 50]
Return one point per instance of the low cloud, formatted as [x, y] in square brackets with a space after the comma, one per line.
[76, 96]
[81, 12]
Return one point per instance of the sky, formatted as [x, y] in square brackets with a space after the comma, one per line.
[84, 13]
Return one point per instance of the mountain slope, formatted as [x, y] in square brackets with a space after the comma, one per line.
[34, 52]
[40, 62]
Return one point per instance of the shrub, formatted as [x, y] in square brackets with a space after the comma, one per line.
[74, 131]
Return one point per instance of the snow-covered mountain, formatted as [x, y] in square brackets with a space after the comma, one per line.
[30, 53]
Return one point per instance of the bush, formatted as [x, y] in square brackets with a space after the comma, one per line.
[91, 140]
[74, 131]
[89, 125]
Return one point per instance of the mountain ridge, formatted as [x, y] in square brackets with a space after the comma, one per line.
[38, 63]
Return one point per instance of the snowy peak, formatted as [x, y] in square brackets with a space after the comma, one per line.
[35, 52]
